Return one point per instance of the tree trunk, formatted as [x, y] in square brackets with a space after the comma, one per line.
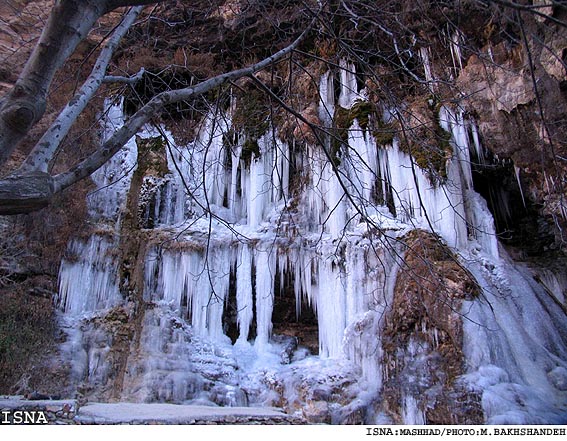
[69, 23]
[44, 151]
[25, 193]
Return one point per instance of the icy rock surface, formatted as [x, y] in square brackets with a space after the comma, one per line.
[227, 239]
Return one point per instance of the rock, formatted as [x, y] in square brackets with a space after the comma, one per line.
[351, 414]
[558, 377]
[288, 346]
[39, 396]
[546, 8]
[317, 412]
[504, 83]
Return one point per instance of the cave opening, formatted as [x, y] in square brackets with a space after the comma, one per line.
[291, 319]
[288, 318]
[517, 219]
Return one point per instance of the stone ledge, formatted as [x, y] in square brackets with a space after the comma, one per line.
[69, 412]
[163, 413]
[56, 411]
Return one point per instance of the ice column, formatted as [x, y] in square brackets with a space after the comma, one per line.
[331, 308]
[475, 210]
[88, 277]
[113, 178]
[349, 88]
[265, 261]
[244, 291]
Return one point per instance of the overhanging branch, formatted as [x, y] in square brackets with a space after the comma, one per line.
[69, 23]
[142, 116]
[44, 150]
[127, 80]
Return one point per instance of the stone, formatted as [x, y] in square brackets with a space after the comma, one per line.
[317, 412]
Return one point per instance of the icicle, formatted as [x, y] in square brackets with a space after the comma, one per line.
[244, 291]
[114, 177]
[357, 287]
[425, 59]
[385, 178]
[202, 281]
[331, 308]
[88, 277]
[280, 171]
[455, 45]
[411, 414]
[326, 99]
[362, 163]
[214, 164]
[265, 272]
[234, 201]
[517, 173]
[476, 142]
[256, 192]
[335, 201]
[349, 90]
[456, 125]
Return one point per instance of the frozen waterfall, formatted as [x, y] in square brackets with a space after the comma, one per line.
[229, 241]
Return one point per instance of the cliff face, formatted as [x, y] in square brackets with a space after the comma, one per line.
[519, 99]
[331, 258]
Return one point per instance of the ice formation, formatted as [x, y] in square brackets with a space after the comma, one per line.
[237, 238]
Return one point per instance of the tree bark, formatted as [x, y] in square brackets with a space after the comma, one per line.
[25, 193]
[43, 152]
[69, 22]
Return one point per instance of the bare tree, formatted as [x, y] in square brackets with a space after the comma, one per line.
[31, 187]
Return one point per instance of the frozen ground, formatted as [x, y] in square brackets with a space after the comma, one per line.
[150, 413]
[138, 413]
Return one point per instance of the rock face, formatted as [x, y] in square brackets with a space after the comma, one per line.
[423, 337]
[518, 98]
[20, 27]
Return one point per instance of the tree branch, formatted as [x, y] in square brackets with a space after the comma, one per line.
[69, 23]
[113, 4]
[127, 80]
[44, 150]
[142, 116]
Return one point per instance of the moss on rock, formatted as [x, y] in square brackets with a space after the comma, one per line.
[153, 152]
[252, 113]
[424, 139]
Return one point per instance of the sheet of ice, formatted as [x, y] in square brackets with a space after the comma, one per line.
[113, 178]
[88, 279]
[133, 413]
[338, 265]
[512, 345]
